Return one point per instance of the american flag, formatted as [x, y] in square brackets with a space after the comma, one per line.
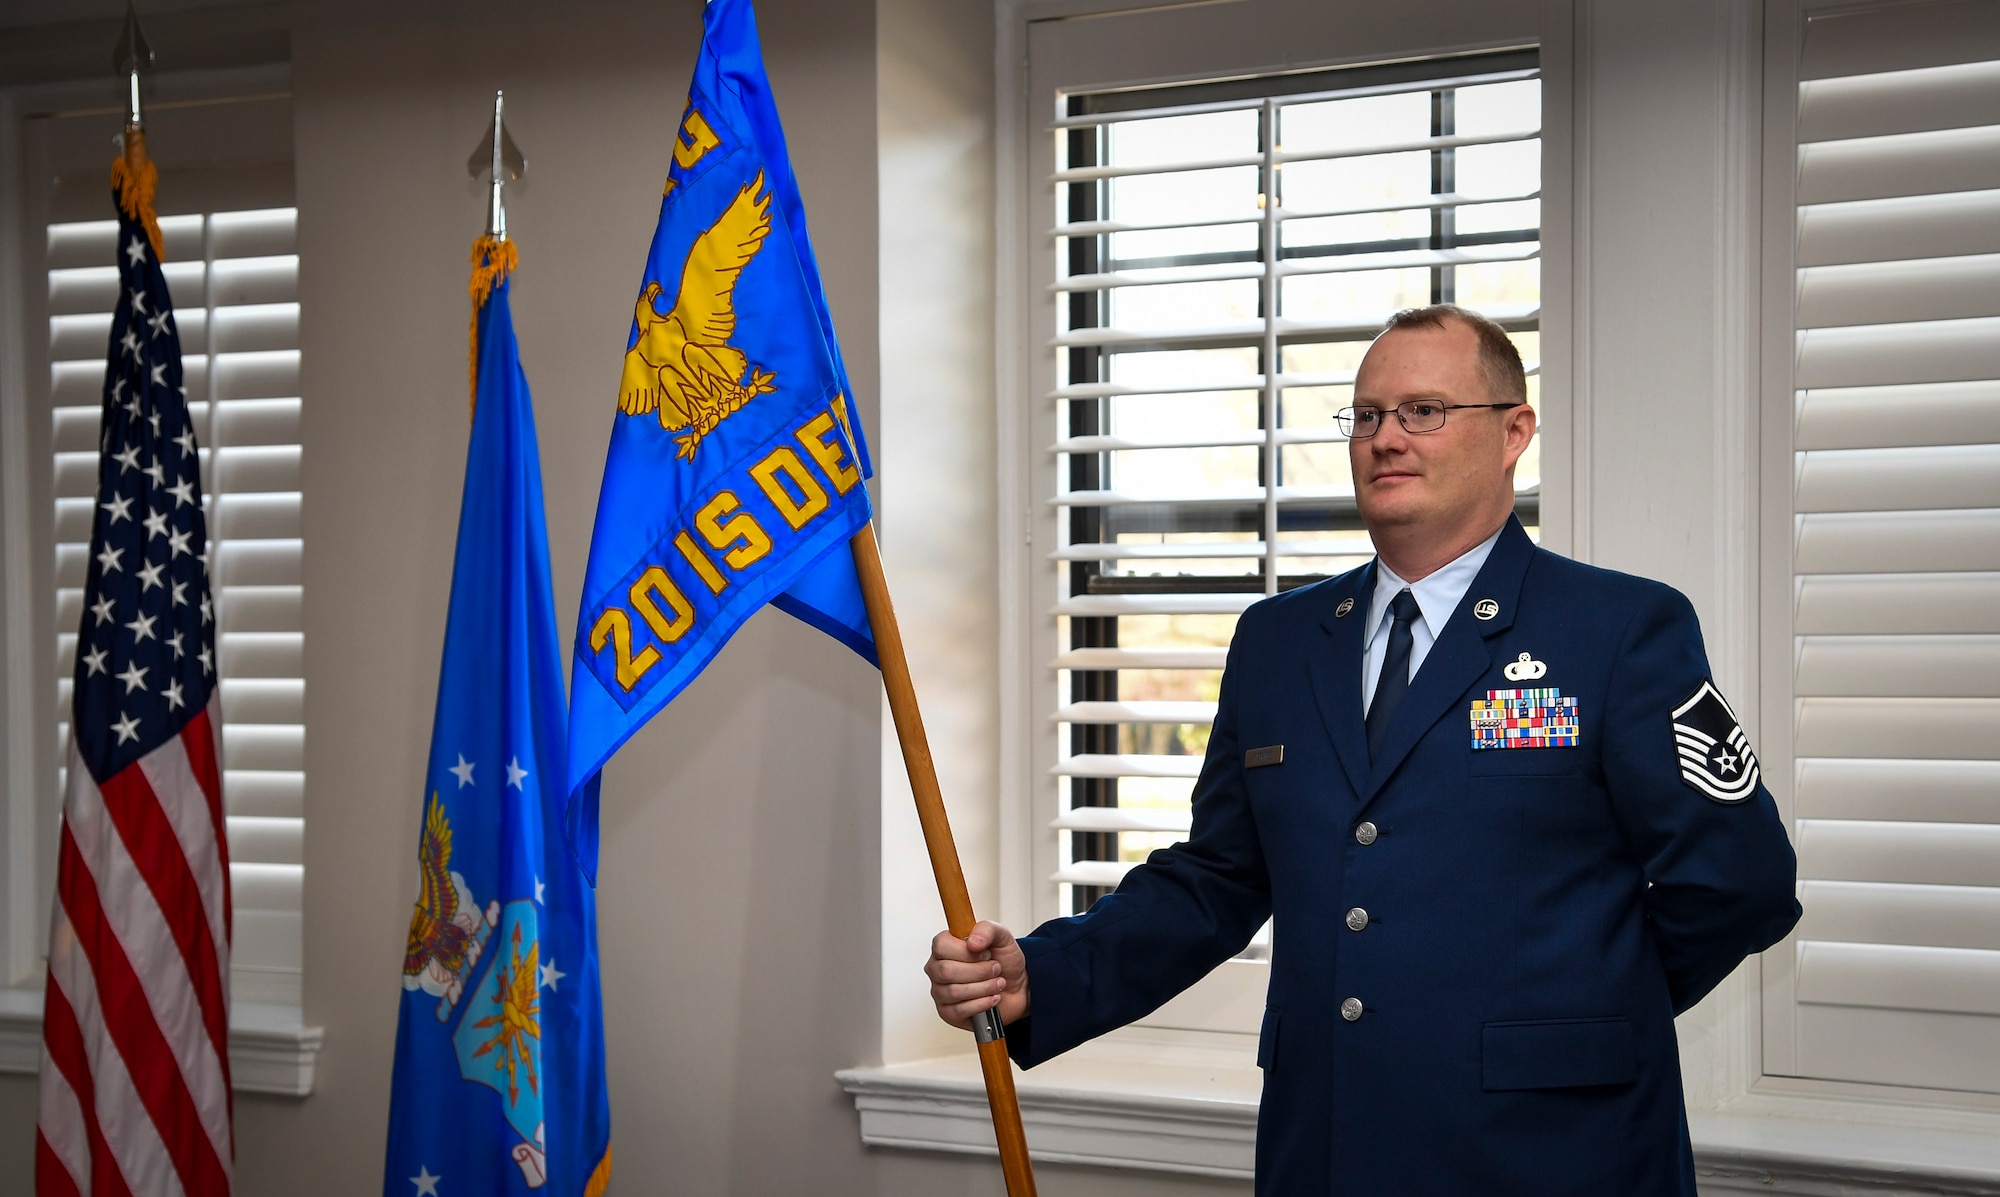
[135, 1093]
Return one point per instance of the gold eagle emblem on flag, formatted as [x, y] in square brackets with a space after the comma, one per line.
[682, 366]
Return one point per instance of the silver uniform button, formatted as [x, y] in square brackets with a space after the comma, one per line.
[1364, 834]
[1351, 1009]
[1357, 919]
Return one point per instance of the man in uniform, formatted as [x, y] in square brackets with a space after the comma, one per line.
[1504, 822]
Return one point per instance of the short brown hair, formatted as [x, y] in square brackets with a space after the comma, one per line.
[1499, 361]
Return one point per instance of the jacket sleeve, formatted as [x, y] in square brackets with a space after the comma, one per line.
[1171, 920]
[1721, 869]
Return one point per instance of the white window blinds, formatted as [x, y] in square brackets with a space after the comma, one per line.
[1223, 255]
[234, 279]
[1896, 554]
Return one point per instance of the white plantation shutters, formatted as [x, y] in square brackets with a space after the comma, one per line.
[1895, 976]
[234, 279]
[1222, 255]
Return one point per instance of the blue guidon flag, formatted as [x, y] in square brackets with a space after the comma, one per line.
[735, 473]
[499, 1085]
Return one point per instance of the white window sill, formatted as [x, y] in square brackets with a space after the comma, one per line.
[1156, 1108]
[1112, 1103]
[270, 1050]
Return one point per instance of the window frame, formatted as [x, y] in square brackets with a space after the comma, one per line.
[1227, 1006]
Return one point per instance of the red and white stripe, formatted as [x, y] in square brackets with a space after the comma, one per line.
[135, 1095]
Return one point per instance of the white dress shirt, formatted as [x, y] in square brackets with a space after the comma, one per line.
[1437, 597]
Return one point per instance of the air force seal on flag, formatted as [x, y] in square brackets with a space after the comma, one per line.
[1715, 754]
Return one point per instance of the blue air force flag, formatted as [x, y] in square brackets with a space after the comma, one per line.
[735, 471]
[499, 1082]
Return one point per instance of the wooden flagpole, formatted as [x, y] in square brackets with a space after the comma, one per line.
[993, 1061]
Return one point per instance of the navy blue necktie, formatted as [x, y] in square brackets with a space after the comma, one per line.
[1395, 679]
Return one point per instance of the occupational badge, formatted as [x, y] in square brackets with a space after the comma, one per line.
[1525, 669]
[1715, 755]
[1537, 718]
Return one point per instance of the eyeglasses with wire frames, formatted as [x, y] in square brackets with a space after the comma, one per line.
[1415, 415]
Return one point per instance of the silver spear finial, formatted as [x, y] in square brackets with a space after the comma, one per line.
[132, 58]
[497, 154]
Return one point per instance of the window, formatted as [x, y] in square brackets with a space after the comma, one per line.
[1894, 566]
[1222, 255]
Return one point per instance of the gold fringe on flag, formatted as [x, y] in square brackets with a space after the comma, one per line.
[135, 178]
[600, 1178]
[492, 261]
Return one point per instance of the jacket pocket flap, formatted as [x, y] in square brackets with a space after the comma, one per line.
[1267, 1037]
[1559, 1053]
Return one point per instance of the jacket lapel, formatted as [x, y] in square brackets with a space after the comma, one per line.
[1458, 659]
[1335, 669]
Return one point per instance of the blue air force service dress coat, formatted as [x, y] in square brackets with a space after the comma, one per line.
[1563, 843]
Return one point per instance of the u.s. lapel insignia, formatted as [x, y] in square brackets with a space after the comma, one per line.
[1485, 609]
[1715, 755]
[1525, 669]
[1346, 605]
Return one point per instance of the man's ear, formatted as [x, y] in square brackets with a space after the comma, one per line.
[1519, 429]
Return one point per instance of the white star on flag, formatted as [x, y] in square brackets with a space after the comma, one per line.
[463, 771]
[182, 491]
[95, 660]
[515, 773]
[156, 524]
[178, 542]
[127, 728]
[136, 251]
[427, 1185]
[107, 560]
[142, 628]
[120, 508]
[551, 974]
[104, 609]
[149, 575]
[129, 458]
[138, 300]
[133, 677]
[175, 699]
[159, 374]
[156, 472]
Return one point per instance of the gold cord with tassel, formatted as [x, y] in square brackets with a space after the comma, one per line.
[492, 261]
[135, 178]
